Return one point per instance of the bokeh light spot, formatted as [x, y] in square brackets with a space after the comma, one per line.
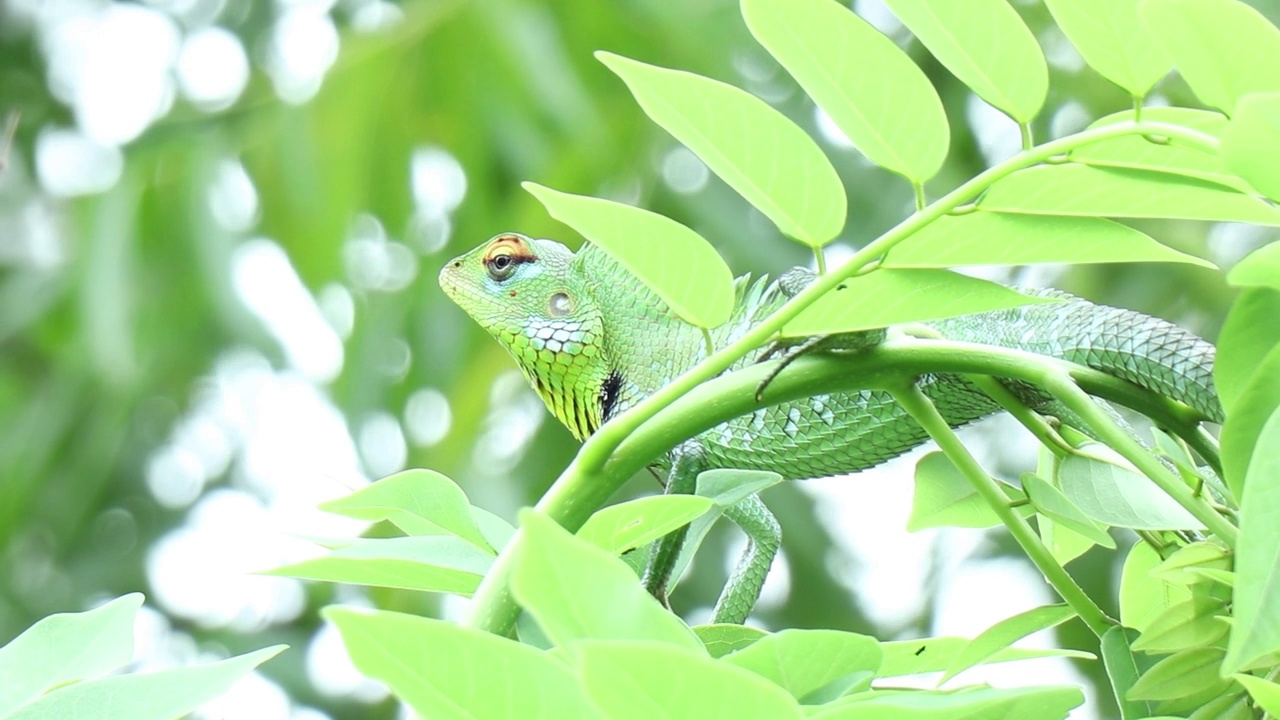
[212, 68]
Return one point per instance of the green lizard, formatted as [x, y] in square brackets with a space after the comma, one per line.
[593, 341]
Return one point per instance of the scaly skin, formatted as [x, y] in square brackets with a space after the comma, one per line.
[594, 341]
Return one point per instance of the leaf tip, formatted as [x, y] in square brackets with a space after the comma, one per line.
[610, 60]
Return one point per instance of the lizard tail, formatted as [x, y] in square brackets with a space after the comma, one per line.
[1146, 351]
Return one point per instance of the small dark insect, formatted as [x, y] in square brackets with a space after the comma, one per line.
[920, 651]
[841, 286]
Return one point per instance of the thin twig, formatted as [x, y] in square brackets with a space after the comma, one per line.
[6, 142]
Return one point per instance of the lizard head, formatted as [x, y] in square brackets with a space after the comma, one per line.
[530, 296]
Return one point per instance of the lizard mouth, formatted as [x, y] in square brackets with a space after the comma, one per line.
[446, 280]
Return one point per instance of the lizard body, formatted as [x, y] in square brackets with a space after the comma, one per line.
[611, 342]
[593, 340]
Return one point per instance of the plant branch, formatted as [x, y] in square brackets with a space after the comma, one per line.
[1030, 419]
[918, 405]
[1063, 387]
[597, 449]
[582, 489]
[585, 485]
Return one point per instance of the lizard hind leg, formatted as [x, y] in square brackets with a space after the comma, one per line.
[764, 538]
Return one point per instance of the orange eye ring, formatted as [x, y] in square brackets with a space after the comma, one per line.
[500, 266]
[504, 254]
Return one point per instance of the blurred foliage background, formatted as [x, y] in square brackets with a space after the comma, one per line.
[220, 227]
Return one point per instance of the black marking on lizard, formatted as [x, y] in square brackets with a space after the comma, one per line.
[609, 395]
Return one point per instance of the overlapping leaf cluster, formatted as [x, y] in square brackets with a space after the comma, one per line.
[593, 643]
[1197, 633]
[56, 669]
[1194, 634]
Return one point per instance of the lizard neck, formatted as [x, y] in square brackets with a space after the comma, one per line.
[565, 363]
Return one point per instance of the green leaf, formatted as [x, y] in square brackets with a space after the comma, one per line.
[497, 532]
[728, 486]
[992, 238]
[987, 703]
[767, 158]
[1256, 632]
[1006, 633]
[1179, 675]
[1011, 74]
[805, 661]
[1257, 402]
[434, 563]
[1123, 669]
[892, 115]
[1224, 49]
[724, 638]
[1111, 37]
[1260, 268]
[1050, 502]
[419, 502]
[888, 297]
[1226, 578]
[1140, 152]
[1075, 189]
[1251, 144]
[1191, 624]
[628, 525]
[1264, 692]
[643, 680]
[1197, 555]
[145, 696]
[1143, 597]
[445, 671]
[66, 647]
[675, 262]
[1102, 484]
[578, 591]
[945, 498]
[1250, 332]
[1064, 543]
[1231, 705]
[913, 657]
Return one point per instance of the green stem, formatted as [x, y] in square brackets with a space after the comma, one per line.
[580, 490]
[820, 260]
[1064, 388]
[918, 405]
[920, 198]
[597, 449]
[1025, 130]
[613, 432]
[1206, 446]
[1030, 419]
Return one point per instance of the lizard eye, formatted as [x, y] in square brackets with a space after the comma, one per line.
[560, 305]
[500, 266]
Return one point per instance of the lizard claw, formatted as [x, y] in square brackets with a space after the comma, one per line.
[789, 352]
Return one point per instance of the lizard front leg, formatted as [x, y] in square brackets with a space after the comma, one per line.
[686, 462]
